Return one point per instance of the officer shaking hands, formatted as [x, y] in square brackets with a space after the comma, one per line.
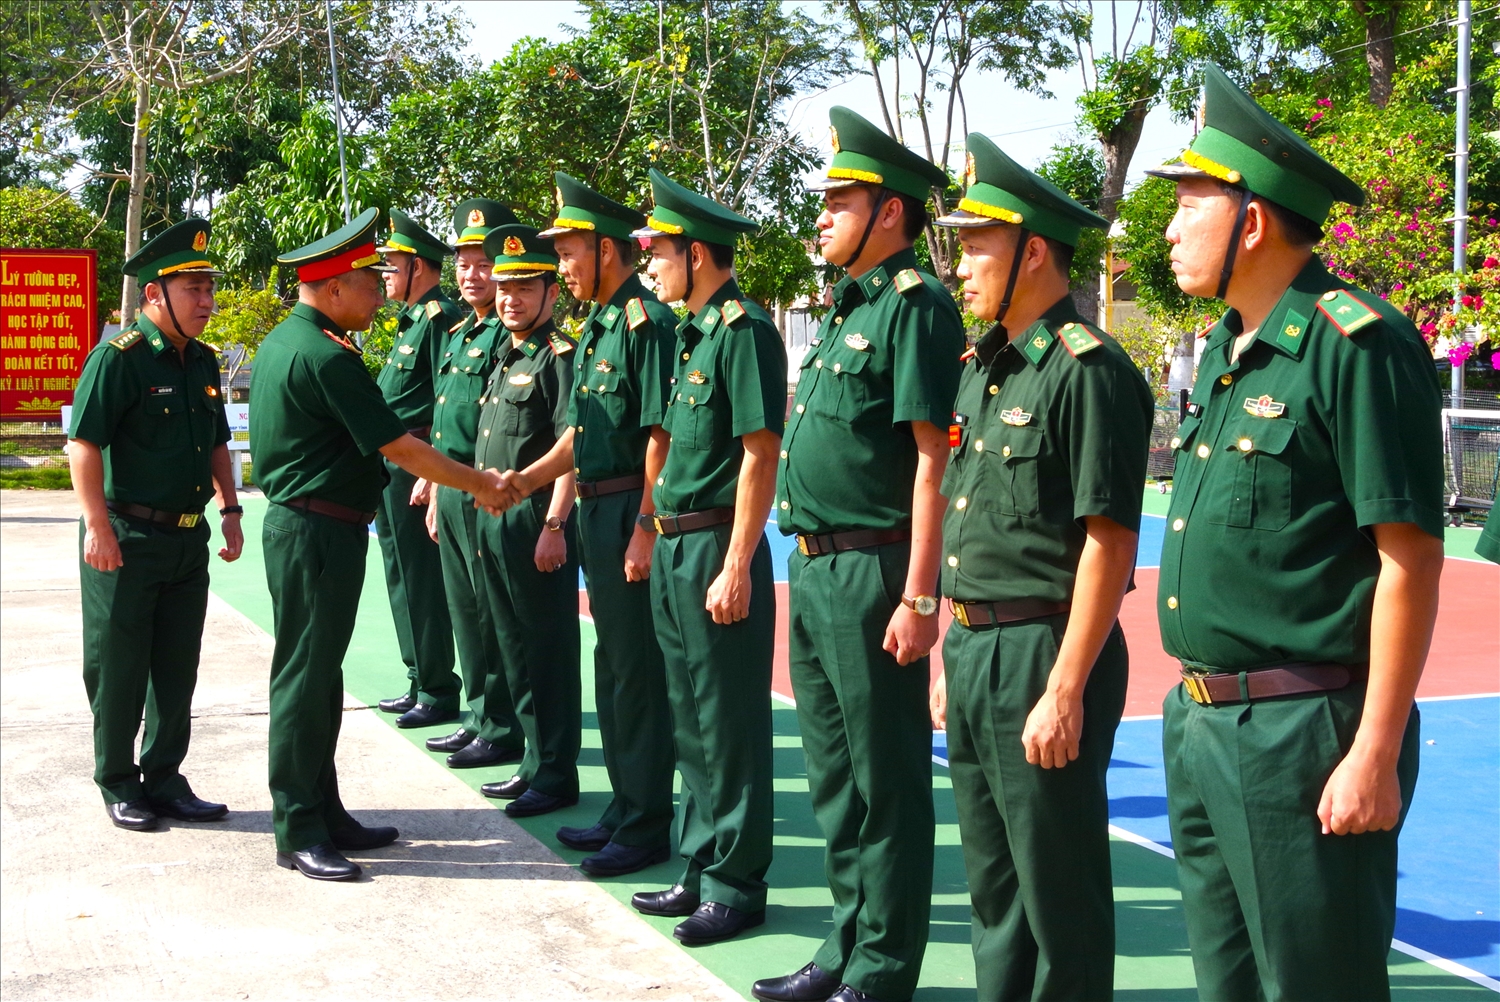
[148, 449]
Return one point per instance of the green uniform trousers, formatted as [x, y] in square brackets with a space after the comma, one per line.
[490, 714]
[867, 735]
[535, 616]
[142, 628]
[315, 567]
[1035, 841]
[414, 581]
[719, 684]
[1275, 909]
[630, 679]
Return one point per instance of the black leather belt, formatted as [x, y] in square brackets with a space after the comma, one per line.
[175, 519]
[692, 521]
[817, 545]
[342, 513]
[978, 615]
[613, 485]
[1213, 687]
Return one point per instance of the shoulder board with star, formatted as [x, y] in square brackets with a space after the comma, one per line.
[732, 311]
[968, 354]
[342, 342]
[1345, 312]
[455, 327]
[126, 339]
[434, 309]
[213, 349]
[1077, 338]
[908, 279]
[1205, 332]
[635, 312]
[560, 343]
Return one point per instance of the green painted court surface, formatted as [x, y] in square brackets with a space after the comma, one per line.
[1152, 961]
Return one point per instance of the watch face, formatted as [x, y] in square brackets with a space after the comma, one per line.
[925, 605]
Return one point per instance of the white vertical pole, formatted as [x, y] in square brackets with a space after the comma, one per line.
[1461, 181]
[338, 110]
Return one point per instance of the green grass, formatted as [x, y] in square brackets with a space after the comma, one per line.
[36, 478]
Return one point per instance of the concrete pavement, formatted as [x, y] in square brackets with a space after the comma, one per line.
[466, 905]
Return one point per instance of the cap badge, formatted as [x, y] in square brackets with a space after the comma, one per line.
[696, 378]
[1264, 407]
[476, 218]
[514, 247]
[200, 240]
[971, 173]
[1015, 417]
[857, 341]
[835, 133]
[558, 192]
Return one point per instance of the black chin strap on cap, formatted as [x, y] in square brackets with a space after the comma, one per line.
[885, 195]
[167, 298]
[598, 267]
[1234, 244]
[1015, 272]
[410, 271]
[687, 259]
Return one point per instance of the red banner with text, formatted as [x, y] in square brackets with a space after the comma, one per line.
[48, 322]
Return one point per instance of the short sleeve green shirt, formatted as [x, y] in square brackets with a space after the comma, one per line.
[421, 339]
[524, 409]
[887, 354]
[1047, 430]
[155, 414]
[622, 371]
[1285, 461]
[730, 381]
[461, 374]
[1488, 545]
[317, 419]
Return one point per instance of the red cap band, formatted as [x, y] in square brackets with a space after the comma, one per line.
[347, 261]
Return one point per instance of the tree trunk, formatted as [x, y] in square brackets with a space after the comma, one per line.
[1380, 48]
[1118, 146]
[136, 203]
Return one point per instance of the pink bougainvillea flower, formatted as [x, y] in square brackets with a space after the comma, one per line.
[1323, 102]
[1491, 262]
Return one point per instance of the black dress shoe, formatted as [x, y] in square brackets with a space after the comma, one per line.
[189, 808]
[425, 715]
[320, 862]
[714, 923]
[508, 789]
[459, 739]
[674, 902]
[398, 705]
[847, 994]
[534, 802]
[135, 815]
[476, 753]
[585, 839]
[358, 837]
[616, 860]
[811, 984]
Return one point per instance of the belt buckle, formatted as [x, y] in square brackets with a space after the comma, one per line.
[1197, 690]
[186, 521]
[960, 612]
[802, 545]
[656, 521]
[578, 489]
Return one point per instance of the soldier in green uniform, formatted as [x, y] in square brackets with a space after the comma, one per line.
[866, 445]
[711, 586]
[527, 555]
[1299, 577]
[318, 426]
[1049, 436]
[1488, 545]
[147, 447]
[489, 733]
[615, 445]
[413, 570]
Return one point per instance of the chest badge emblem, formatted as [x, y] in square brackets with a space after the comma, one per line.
[696, 378]
[523, 379]
[1264, 407]
[604, 365]
[857, 341]
[476, 352]
[405, 349]
[1015, 417]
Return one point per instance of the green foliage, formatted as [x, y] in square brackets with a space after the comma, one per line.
[774, 267]
[1145, 212]
[43, 217]
[242, 319]
[1078, 169]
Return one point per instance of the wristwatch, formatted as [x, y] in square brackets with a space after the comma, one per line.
[555, 524]
[233, 509]
[922, 605]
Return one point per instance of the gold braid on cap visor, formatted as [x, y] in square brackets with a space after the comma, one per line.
[657, 224]
[1210, 168]
[173, 269]
[396, 245]
[524, 266]
[993, 211]
[850, 174]
[572, 224]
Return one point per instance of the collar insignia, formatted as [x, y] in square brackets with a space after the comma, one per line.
[857, 341]
[1015, 417]
[1264, 407]
[696, 378]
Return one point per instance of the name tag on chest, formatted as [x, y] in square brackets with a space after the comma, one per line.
[163, 391]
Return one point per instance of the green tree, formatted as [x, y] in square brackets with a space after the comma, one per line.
[1078, 168]
[43, 217]
[242, 319]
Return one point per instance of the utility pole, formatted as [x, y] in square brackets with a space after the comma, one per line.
[1461, 184]
[338, 109]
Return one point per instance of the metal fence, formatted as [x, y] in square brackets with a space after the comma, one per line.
[1471, 459]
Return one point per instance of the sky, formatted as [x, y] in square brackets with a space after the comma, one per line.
[1024, 125]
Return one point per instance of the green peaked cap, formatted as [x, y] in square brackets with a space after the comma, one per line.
[519, 252]
[347, 248]
[580, 207]
[409, 237]
[179, 249]
[864, 154]
[476, 217]
[682, 212]
[1002, 191]
[1242, 144]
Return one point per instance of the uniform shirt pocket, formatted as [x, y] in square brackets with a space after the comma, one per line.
[1261, 486]
[163, 401]
[1009, 462]
[692, 416]
[843, 397]
[517, 400]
